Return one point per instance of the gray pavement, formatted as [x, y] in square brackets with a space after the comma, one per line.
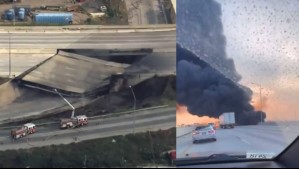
[80, 74]
[240, 140]
[143, 12]
[159, 63]
[29, 103]
[156, 40]
[150, 120]
[29, 49]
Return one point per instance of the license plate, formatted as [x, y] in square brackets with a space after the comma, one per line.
[203, 133]
[260, 155]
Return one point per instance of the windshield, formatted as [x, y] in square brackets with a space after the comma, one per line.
[203, 128]
[238, 67]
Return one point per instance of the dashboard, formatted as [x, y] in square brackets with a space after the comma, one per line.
[287, 159]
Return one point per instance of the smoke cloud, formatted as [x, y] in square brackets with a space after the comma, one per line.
[206, 92]
[199, 29]
[207, 81]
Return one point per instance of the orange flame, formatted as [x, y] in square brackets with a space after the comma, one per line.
[258, 104]
[184, 117]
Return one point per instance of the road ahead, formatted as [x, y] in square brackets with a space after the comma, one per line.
[29, 49]
[266, 139]
[149, 120]
[157, 40]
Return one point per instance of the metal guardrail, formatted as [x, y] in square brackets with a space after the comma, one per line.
[96, 117]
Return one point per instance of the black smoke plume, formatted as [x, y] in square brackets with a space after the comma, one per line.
[206, 92]
[199, 29]
[207, 81]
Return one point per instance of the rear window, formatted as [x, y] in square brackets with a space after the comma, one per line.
[202, 128]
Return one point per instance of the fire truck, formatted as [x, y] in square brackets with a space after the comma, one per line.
[73, 121]
[77, 121]
[23, 131]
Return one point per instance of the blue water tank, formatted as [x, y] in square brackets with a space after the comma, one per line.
[21, 14]
[53, 18]
[10, 14]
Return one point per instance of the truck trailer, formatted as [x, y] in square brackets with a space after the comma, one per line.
[227, 120]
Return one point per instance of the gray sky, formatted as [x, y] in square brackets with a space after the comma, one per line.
[263, 39]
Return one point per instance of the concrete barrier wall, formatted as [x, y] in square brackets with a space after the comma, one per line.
[87, 29]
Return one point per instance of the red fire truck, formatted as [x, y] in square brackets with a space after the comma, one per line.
[73, 122]
[23, 131]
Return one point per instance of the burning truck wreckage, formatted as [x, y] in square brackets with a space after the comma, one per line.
[88, 86]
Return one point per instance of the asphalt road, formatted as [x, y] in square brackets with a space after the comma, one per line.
[240, 140]
[20, 62]
[29, 49]
[142, 12]
[150, 120]
[156, 40]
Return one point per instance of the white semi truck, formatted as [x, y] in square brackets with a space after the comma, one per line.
[227, 120]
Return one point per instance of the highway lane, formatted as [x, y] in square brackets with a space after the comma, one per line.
[29, 49]
[20, 62]
[156, 40]
[26, 107]
[103, 121]
[147, 120]
[242, 139]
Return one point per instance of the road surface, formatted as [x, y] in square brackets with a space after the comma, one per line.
[150, 120]
[29, 49]
[156, 40]
[143, 12]
[20, 62]
[242, 139]
[19, 103]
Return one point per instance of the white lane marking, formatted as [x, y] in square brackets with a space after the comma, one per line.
[245, 141]
[69, 68]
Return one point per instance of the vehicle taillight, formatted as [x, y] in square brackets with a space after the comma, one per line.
[195, 133]
[212, 131]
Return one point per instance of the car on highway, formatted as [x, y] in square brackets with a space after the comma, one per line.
[202, 133]
[212, 125]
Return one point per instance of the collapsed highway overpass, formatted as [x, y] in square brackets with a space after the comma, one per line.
[82, 79]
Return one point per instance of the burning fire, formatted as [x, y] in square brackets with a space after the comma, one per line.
[185, 118]
[257, 104]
